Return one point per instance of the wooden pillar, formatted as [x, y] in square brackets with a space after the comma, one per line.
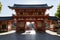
[43, 27]
[7, 25]
[36, 25]
[0, 26]
[16, 25]
[24, 24]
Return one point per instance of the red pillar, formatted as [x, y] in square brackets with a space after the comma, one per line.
[43, 27]
[7, 25]
[0, 26]
[16, 25]
[36, 25]
[24, 24]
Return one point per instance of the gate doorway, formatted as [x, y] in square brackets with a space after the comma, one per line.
[30, 25]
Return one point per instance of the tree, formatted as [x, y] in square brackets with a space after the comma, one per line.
[0, 7]
[57, 14]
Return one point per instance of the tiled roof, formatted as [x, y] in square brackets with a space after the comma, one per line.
[30, 6]
[53, 18]
[5, 18]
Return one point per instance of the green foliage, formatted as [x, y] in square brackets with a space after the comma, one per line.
[57, 14]
[0, 6]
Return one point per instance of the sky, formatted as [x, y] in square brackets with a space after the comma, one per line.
[8, 12]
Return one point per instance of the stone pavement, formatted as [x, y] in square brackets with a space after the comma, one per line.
[29, 35]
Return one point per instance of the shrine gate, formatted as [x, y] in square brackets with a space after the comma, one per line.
[30, 13]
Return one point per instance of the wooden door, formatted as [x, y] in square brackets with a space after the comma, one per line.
[40, 26]
[21, 26]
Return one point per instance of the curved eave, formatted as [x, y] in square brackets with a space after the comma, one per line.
[30, 7]
[6, 18]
